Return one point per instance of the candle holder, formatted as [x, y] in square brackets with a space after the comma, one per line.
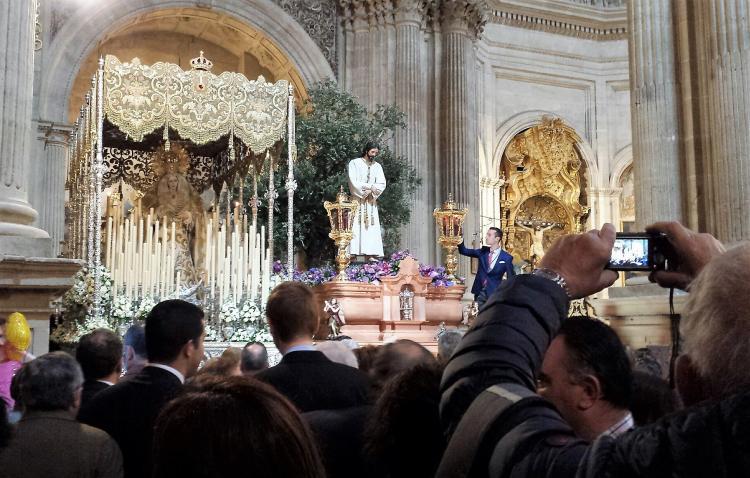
[450, 221]
[341, 214]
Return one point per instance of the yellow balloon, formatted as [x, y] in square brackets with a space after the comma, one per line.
[17, 335]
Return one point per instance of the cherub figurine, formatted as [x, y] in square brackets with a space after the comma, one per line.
[335, 315]
[470, 313]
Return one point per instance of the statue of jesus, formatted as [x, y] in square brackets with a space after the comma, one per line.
[536, 251]
[366, 184]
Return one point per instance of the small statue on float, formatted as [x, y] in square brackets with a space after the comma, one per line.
[470, 313]
[406, 304]
[174, 198]
[336, 318]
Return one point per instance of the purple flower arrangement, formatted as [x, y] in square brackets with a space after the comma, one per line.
[370, 272]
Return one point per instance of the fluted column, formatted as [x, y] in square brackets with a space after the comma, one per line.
[724, 58]
[347, 64]
[361, 56]
[410, 142]
[16, 78]
[50, 192]
[655, 112]
[462, 21]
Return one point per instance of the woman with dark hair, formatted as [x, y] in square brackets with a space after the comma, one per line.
[225, 426]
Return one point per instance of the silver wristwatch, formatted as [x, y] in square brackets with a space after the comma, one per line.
[554, 277]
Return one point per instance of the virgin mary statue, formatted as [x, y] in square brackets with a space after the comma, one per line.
[173, 198]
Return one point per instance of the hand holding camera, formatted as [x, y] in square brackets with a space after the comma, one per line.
[692, 251]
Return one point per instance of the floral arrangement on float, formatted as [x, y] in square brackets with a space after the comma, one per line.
[241, 322]
[370, 272]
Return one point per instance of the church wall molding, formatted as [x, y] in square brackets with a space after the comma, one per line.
[82, 31]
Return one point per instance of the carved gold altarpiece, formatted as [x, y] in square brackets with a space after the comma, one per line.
[542, 190]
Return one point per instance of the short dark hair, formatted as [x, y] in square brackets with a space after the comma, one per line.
[229, 413]
[99, 353]
[594, 348]
[405, 422]
[169, 326]
[396, 357]
[368, 146]
[48, 382]
[498, 231]
[254, 357]
[135, 338]
[293, 311]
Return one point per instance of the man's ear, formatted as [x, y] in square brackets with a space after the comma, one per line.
[591, 391]
[690, 385]
[77, 400]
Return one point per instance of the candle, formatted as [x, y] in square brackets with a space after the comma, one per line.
[108, 260]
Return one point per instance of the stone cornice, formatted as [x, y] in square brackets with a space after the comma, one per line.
[560, 17]
[54, 133]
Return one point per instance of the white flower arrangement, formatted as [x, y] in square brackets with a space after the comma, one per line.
[241, 322]
[122, 308]
[78, 303]
[144, 307]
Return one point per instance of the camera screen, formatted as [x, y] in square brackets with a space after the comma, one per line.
[630, 253]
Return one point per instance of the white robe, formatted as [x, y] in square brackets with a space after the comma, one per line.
[366, 184]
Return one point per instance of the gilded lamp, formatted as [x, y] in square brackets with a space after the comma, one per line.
[341, 215]
[450, 220]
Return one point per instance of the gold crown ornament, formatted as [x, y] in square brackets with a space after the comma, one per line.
[201, 63]
[174, 160]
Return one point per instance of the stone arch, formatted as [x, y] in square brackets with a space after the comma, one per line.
[621, 161]
[80, 35]
[525, 120]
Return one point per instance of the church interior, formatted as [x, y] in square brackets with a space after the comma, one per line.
[539, 117]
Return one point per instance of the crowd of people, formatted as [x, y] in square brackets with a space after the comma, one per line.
[526, 391]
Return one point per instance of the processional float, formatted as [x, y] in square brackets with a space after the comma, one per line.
[166, 137]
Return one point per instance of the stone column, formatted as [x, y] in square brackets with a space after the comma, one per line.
[374, 70]
[51, 186]
[724, 58]
[462, 22]
[361, 55]
[410, 142]
[346, 66]
[654, 98]
[17, 236]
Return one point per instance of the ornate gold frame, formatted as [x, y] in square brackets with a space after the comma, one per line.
[542, 178]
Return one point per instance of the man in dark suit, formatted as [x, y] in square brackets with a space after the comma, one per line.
[128, 410]
[494, 263]
[304, 375]
[99, 354]
[48, 441]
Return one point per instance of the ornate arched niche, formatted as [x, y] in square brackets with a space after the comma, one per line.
[627, 200]
[543, 194]
[176, 35]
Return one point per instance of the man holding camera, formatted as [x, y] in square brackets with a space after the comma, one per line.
[500, 427]
[494, 263]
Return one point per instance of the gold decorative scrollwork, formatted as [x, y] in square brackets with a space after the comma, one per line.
[541, 197]
[198, 105]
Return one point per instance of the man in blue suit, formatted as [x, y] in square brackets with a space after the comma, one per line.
[494, 263]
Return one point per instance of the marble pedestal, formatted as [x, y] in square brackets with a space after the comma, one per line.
[28, 284]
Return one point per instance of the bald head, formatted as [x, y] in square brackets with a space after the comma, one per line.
[254, 358]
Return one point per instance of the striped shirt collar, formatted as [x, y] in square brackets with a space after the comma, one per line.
[621, 427]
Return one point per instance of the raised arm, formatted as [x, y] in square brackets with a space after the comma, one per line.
[505, 348]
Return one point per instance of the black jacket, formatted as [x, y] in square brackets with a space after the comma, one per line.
[90, 389]
[312, 382]
[506, 346]
[128, 411]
